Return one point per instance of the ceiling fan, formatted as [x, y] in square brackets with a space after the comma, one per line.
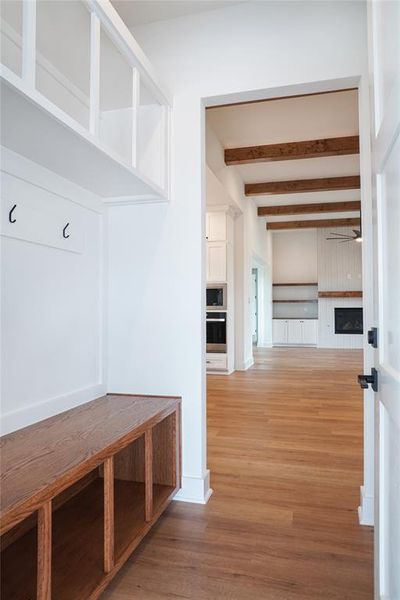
[343, 237]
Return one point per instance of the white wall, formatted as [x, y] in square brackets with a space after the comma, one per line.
[295, 256]
[252, 248]
[51, 294]
[229, 178]
[237, 50]
[339, 264]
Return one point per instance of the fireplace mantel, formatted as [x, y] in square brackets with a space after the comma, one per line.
[354, 294]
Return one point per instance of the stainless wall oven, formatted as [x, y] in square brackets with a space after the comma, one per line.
[216, 296]
[216, 332]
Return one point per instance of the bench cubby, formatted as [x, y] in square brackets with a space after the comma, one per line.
[81, 490]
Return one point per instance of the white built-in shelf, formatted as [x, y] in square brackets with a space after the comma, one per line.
[295, 300]
[95, 115]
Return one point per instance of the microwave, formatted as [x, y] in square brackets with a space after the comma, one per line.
[216, 296]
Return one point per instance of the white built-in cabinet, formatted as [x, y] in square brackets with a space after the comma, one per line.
[219, 269]
[295, 332]
[280, 331]
[216, 361]
[94, 99]
[217, 236]
[216, 227]
[216, 262]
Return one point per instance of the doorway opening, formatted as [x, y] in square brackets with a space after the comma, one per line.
[281, 306]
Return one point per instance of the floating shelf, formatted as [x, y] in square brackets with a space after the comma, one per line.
[301, 301]
[340, 294]
[290, 284]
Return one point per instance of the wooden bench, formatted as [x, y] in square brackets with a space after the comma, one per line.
[80, 490]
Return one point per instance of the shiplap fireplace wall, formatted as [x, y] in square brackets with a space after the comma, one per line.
[339, 269]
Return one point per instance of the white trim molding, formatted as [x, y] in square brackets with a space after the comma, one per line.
[366, 508]
[246, 365]
[34, 413]
[130, 200]
[195, 489]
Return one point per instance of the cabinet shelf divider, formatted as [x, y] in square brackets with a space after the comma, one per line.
[148, 458]
[109, 514]
[44, 550]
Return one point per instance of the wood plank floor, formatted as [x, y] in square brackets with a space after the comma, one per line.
[285, 453]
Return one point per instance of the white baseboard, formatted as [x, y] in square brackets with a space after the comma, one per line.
[195, 489]
[211, 372]
[246, 365]
[48, 408]
[366, 508]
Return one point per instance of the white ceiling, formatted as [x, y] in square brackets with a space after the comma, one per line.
[286, 120]
[141, 12]
[289, 120]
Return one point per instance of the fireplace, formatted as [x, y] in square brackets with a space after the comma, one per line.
[348, 320]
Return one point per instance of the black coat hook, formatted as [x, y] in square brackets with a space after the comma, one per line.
[10, 214]
[65, 235]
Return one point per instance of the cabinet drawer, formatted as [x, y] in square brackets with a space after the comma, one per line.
[216, 361]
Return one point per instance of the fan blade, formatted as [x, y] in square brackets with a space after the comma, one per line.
[344, 241]
[357, 232]
[340, 234]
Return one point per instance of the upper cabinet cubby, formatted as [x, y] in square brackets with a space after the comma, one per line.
[116, 110]
[151, 135]
[63, 56]
[73, 78]
[11, 35]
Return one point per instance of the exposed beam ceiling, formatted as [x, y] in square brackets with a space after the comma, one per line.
[304, 209]
[277, 98]
[314, 223]
[338, 146]
[324, 184]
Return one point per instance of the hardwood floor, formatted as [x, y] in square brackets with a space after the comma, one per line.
[285, 453]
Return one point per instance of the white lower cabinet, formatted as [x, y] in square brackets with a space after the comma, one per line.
[310, 331]
[294, 332]
[215, 361]
[279, 331]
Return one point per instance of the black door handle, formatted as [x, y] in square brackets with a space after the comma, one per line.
[373, 337]
[366, 380]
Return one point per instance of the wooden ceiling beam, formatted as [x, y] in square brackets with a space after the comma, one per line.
[304, 209]
[338, 146]
[313, 223]
[324, 184]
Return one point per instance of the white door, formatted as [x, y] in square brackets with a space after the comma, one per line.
[385, 53]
